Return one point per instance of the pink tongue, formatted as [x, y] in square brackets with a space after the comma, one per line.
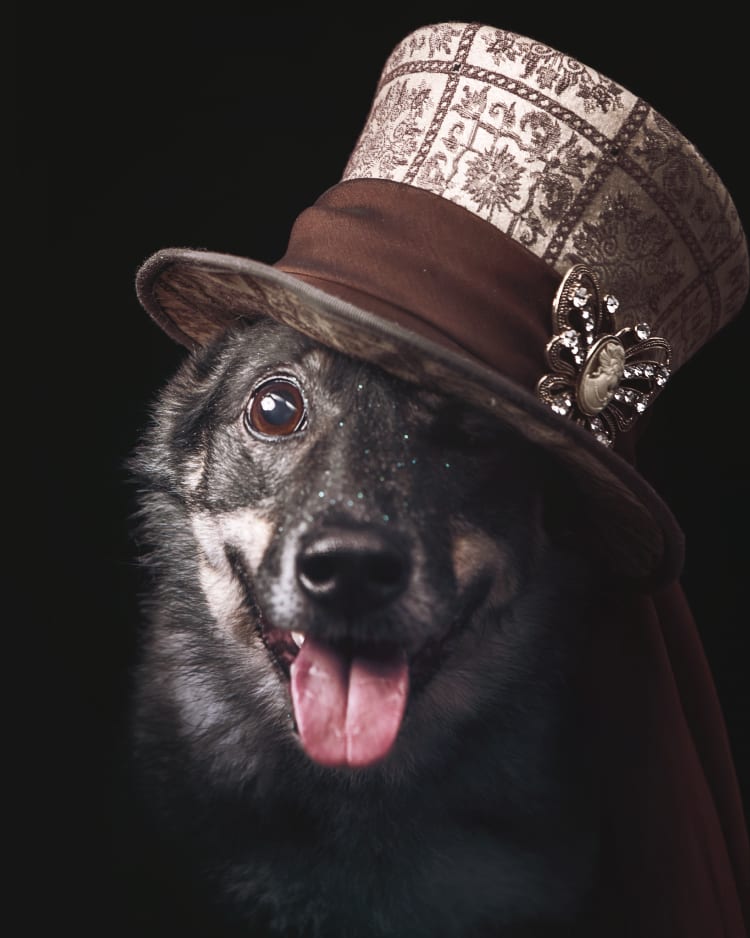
[348, 710]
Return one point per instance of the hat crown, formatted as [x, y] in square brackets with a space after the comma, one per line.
[569, 164]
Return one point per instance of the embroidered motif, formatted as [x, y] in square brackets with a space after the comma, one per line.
[493, 180]
[394, 131]
[438, 40]
[635, 248]
[555, 71]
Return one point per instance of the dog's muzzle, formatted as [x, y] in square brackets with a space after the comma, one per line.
[352, 621]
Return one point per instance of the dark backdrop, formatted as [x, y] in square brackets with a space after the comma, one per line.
[143, 128]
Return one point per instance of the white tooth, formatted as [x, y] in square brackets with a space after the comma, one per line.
[298, 638]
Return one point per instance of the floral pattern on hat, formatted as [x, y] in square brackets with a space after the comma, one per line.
[569, 164]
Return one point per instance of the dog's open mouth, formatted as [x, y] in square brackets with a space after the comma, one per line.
[349, 699]
[348, 705]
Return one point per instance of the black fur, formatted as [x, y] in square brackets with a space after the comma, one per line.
[482, 818]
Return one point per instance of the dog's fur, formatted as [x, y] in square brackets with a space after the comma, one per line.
[481, 820]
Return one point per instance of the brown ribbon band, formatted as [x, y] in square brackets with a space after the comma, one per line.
[431, 266]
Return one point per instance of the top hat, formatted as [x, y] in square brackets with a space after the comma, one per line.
[518, 230]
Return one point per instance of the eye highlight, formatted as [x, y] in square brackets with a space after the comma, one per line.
[276, 408]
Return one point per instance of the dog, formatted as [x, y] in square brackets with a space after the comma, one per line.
[358, 705]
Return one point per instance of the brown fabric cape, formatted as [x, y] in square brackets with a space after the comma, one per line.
[676, 861]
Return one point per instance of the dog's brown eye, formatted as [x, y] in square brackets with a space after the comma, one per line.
[276, 408]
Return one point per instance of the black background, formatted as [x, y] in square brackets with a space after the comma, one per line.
[151, 127]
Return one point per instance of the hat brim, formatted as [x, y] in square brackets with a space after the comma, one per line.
[194, 295]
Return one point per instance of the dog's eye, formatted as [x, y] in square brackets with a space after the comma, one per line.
[276, 408]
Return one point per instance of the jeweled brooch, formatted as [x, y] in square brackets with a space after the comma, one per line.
[601, 379]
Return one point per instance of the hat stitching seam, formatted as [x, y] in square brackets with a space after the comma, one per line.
[464, 47]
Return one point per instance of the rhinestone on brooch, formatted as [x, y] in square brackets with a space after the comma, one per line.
[601, 378]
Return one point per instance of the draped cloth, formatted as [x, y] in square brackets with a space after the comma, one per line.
[675, 860]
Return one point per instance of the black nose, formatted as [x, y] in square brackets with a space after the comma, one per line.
[352, 571]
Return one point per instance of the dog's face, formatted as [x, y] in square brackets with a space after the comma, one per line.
[357, 536]
[354, 591]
